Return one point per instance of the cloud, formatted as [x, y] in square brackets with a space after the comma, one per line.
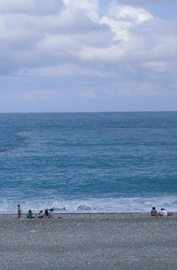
[64, 38]
[31, 7]
[121, 18]
[144, 2]
[34, 41]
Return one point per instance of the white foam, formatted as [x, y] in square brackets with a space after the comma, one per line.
[94, 205]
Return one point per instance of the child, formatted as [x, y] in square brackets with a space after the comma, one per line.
[19, 211]
[40, 215]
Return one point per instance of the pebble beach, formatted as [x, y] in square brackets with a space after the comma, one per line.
[89, 241]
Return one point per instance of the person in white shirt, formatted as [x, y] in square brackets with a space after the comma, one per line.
[165, 213]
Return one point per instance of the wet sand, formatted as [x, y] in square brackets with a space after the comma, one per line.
[89, 241]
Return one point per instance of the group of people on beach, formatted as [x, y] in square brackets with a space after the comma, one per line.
[48, 214]
[162, 213]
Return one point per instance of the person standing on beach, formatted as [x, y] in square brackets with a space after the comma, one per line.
[19, 211]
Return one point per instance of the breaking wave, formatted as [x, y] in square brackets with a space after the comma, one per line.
[94, 205]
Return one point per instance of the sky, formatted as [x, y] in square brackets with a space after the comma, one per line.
[88, 55]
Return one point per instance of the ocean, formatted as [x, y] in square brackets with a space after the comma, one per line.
[88, 162]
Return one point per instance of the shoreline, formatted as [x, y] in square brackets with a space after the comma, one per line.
[90, 213]
[87, 241]
[145, 214]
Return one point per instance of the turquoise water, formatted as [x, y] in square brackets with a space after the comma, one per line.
[96, 162]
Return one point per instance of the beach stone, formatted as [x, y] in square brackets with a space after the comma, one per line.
[107, 241]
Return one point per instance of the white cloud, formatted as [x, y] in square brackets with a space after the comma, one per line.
[91, 7]
[31, 7]
[122, 18]
[142, 2]
[59, 38]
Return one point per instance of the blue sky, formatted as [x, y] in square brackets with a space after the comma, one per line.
[88, 55]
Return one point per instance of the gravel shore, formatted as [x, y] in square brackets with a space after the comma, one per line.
[89, 241]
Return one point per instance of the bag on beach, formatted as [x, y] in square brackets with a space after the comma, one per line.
[170, 214]
[156, 215]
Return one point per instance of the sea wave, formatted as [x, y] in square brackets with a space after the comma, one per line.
[94, 205]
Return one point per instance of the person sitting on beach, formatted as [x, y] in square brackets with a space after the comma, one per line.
[19, 211]
[46, 213]
[29, 214]
[40, 215]
[165, 213]
[51, 214]
[154, 212]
